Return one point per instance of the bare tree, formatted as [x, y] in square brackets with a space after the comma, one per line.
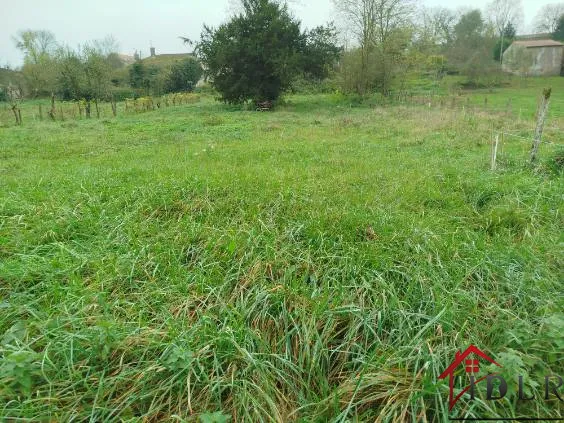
[106, 46]
[547, 18]
[373, 24]
[502, 13]
[39, 48]
[437, 24]
[360, 15]
[97, 71]
[374, 20]
[35, 44]
[15, 96]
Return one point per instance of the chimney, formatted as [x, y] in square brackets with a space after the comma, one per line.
[153, 52]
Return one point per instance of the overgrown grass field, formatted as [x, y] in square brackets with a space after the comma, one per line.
[321, 262]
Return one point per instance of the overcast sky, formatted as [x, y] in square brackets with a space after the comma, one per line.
[136, 23]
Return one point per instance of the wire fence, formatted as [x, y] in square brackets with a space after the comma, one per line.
[513, 128]
[39, 110]
[67, 110]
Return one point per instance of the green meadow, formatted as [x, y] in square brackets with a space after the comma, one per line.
[322, 262]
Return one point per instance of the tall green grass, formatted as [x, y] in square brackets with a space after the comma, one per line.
[318, 263]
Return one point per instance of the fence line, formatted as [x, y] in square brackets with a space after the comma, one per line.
[72, 110]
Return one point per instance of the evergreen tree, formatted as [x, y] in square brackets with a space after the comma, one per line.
[559, 32]
[259, 52]
[184, 75]
[137, 74]
[509, 34]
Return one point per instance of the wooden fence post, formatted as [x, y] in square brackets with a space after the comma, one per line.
[53, 111]
[17, 114]
[494, 151]
[114, 106]
[541, 117]
[520, 113]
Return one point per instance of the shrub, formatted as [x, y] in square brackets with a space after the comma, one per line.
[305, 85]
[555, 163]
[258, 54]
[120, 94]
[183, 76]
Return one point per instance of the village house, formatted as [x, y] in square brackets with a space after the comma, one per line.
[534, 58]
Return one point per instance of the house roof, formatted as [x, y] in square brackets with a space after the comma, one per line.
[538, 43]
[459, 358]
[537, 36]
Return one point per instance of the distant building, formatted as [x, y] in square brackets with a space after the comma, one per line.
[126, 59]
[534, 57]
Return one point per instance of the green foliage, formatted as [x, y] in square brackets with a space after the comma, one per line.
[149, 79]
[559, 32]
[10, 83]
[364, 71]
[38, 70]
[555, 163]
[497, 48]
[217, 417]
[10, 77]
[19, 367]
[436, 65]
[469, 29]
[183, 76]
[509, 32]
[40, 76]
[320, 52]
[121, 93]
[255, 55]
[97, 70]
[83, 75]
[18, 370]
[178, 359]
[71, 76]
[259, 52]
[471, 52]
[114, 61]
[35, 45]
[306, 85]
[137, 74]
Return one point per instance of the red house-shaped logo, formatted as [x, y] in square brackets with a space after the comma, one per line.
[471, 366]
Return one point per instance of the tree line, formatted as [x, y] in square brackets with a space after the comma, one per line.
[262, 51]
[380, 45]
[93, 72]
